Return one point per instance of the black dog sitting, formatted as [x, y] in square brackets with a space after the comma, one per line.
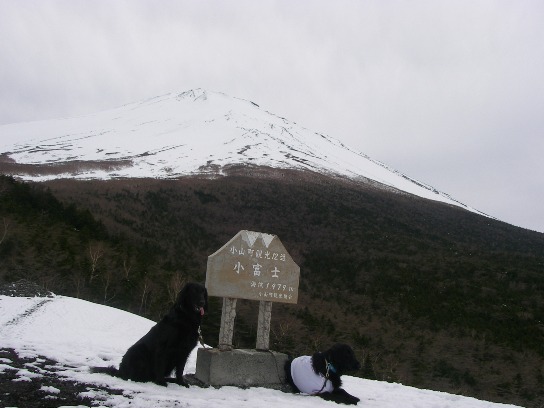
[320, 373]
[168, 344]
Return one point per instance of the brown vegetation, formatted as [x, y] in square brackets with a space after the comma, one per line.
[73, 167]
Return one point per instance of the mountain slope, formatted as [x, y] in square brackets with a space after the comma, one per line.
[53, 327]
[429, 295]
[194, 132]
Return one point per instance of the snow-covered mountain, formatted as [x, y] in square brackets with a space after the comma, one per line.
[78, 334]
[178, 134]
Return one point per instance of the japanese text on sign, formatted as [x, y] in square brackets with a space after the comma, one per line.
[253, 265]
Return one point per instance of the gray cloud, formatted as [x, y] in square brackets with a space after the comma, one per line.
[448, 92]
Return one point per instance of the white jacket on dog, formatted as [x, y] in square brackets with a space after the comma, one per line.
[306, 379]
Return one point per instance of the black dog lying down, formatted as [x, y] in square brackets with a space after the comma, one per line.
[320, 373]
[168, 344]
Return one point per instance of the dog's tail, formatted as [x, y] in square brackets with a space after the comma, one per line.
[288, 377]
[111, 370]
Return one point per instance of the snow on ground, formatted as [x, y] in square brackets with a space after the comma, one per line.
[80, 334]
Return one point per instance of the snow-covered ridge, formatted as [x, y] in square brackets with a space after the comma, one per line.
[53, 327]
[186, 133]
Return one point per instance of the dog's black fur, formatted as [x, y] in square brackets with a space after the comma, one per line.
[342, 357]
[168, 344]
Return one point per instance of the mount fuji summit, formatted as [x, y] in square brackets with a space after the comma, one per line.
[186, 134]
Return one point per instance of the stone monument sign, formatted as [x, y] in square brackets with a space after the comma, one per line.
[254, 266]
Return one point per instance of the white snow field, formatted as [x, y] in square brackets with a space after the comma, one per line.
[80, 334]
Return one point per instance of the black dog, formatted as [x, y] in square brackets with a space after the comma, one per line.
[168, 344]
[320, 373]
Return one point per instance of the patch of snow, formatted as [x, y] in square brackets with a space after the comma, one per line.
[49, 389]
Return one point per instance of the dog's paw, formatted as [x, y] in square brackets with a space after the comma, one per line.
[340, 396]
[182, 382]
[351, 400]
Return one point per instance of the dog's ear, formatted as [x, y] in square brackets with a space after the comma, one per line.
[183, 297]
[318, 361]
[191, 293]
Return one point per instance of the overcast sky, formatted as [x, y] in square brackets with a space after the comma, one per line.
[450, 93]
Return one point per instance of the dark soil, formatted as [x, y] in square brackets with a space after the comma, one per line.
[24, 288]
[29, 394]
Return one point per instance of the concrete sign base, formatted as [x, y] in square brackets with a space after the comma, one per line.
[241, 368]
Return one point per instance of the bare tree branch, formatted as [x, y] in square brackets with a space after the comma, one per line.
[145, 292]
[106, 281]
[174, 286]
[95, 252]
[6, 225]
[127, 266]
